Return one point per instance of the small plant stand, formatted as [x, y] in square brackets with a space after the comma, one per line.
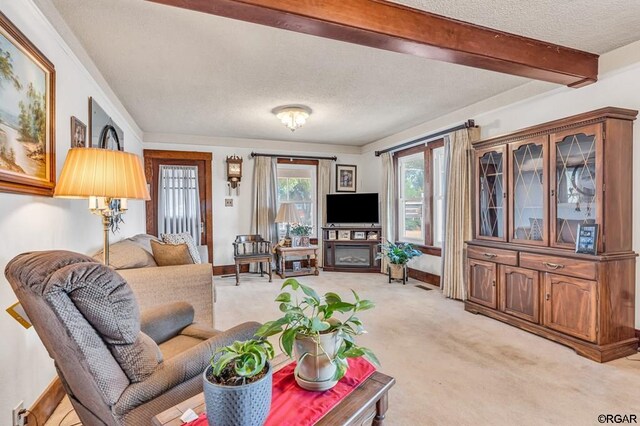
[404, 278]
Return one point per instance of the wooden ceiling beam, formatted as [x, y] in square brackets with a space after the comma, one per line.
[389, 26]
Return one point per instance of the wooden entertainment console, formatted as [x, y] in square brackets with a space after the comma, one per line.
[533, 189]
[351, 249]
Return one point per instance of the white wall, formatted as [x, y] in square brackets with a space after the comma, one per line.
[30, 223]
[231, 221]
[616, 87]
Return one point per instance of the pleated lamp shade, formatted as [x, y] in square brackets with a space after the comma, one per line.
[96, 172]
[287, 213]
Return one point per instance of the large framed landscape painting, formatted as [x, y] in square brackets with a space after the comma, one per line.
[27, 99]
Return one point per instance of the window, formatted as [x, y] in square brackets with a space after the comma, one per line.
[411, 198]
[421, 190]
[297, 184]
[439, 180]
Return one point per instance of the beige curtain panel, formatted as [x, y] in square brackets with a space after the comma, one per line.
[388, 202]
[324, 187]
[265, 176]
[458, 216]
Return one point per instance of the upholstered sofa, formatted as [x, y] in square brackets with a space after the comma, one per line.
[155, 285]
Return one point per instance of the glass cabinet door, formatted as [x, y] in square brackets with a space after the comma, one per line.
[529, 222]
[576, 183]
[490, 196]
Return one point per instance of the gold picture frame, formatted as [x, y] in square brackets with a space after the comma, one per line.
[27, 115]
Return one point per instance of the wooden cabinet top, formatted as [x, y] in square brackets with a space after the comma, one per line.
[566, 123]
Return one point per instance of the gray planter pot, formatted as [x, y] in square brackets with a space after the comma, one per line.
[315, 368]
[246, 405]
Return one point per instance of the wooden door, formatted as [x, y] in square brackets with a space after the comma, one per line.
[570, 306]
[491, 219]
[202, 160]
[529, 191]
[520, 292]
[576, 172]
[482, 287]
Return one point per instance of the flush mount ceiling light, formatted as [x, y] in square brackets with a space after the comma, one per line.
[292, 116]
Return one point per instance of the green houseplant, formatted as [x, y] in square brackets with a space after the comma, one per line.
[237, 384]
[301, 235]
[320, 341]
[398, 255]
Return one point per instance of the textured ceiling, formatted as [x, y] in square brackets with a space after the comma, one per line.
[596, 26]
[183, 72]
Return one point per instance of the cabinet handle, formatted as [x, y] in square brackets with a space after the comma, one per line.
[553, 266]
[548, 297]
[490, 255]
[493, 283]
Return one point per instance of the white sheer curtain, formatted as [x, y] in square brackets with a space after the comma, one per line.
[388, 198]
[324, 187]
[458, 215]
[179, 201]
[265, 178]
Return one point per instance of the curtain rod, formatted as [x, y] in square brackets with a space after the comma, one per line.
[300, 157]
[468, 124]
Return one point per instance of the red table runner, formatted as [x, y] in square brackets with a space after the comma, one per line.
[293, 406]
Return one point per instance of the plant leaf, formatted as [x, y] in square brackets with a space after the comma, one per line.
[284, 297]
[287, 339]
[370, 356]
[318, 325]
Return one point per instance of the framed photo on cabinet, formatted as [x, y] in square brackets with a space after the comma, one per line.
[587, 241]
[333, 235]
[344, 235]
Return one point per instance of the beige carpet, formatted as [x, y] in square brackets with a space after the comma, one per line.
[456, 368]
[452, 367]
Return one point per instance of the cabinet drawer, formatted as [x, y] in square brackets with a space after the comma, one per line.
[505, 257]
[560, 265]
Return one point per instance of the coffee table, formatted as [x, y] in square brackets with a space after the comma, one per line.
[367, 404]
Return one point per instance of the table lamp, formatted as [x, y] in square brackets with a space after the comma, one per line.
[287, 213]
[107, 178]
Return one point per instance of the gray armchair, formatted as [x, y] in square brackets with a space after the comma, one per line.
[117, 366]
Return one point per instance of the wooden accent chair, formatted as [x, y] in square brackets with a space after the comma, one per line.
[248, 249]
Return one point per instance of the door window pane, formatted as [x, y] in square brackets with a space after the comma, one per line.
[491, 198]
[528, 192]
[575, 185]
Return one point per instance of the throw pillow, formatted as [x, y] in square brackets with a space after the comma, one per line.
[171, 254]
[183, 238]
[126, 254]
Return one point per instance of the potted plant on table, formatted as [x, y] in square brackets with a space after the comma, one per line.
[320, 341]
[301, 235]
[237, 384]
[398, 255]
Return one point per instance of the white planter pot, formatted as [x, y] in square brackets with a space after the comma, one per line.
[315, 368]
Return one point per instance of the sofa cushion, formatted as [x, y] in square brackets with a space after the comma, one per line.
[171, 254]
[126, 254]
[184, 238]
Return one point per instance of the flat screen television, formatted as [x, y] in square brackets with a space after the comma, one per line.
[352, 208]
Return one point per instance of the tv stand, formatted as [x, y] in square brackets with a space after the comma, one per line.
[357, 253]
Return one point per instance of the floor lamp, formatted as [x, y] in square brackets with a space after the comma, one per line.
[107, 178]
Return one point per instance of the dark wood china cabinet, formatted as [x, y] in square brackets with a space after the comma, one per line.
[533, 188]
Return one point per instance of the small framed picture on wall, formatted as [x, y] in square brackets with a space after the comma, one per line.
[78, 133]
[346, 177]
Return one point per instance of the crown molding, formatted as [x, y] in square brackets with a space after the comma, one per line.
[180, 139]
